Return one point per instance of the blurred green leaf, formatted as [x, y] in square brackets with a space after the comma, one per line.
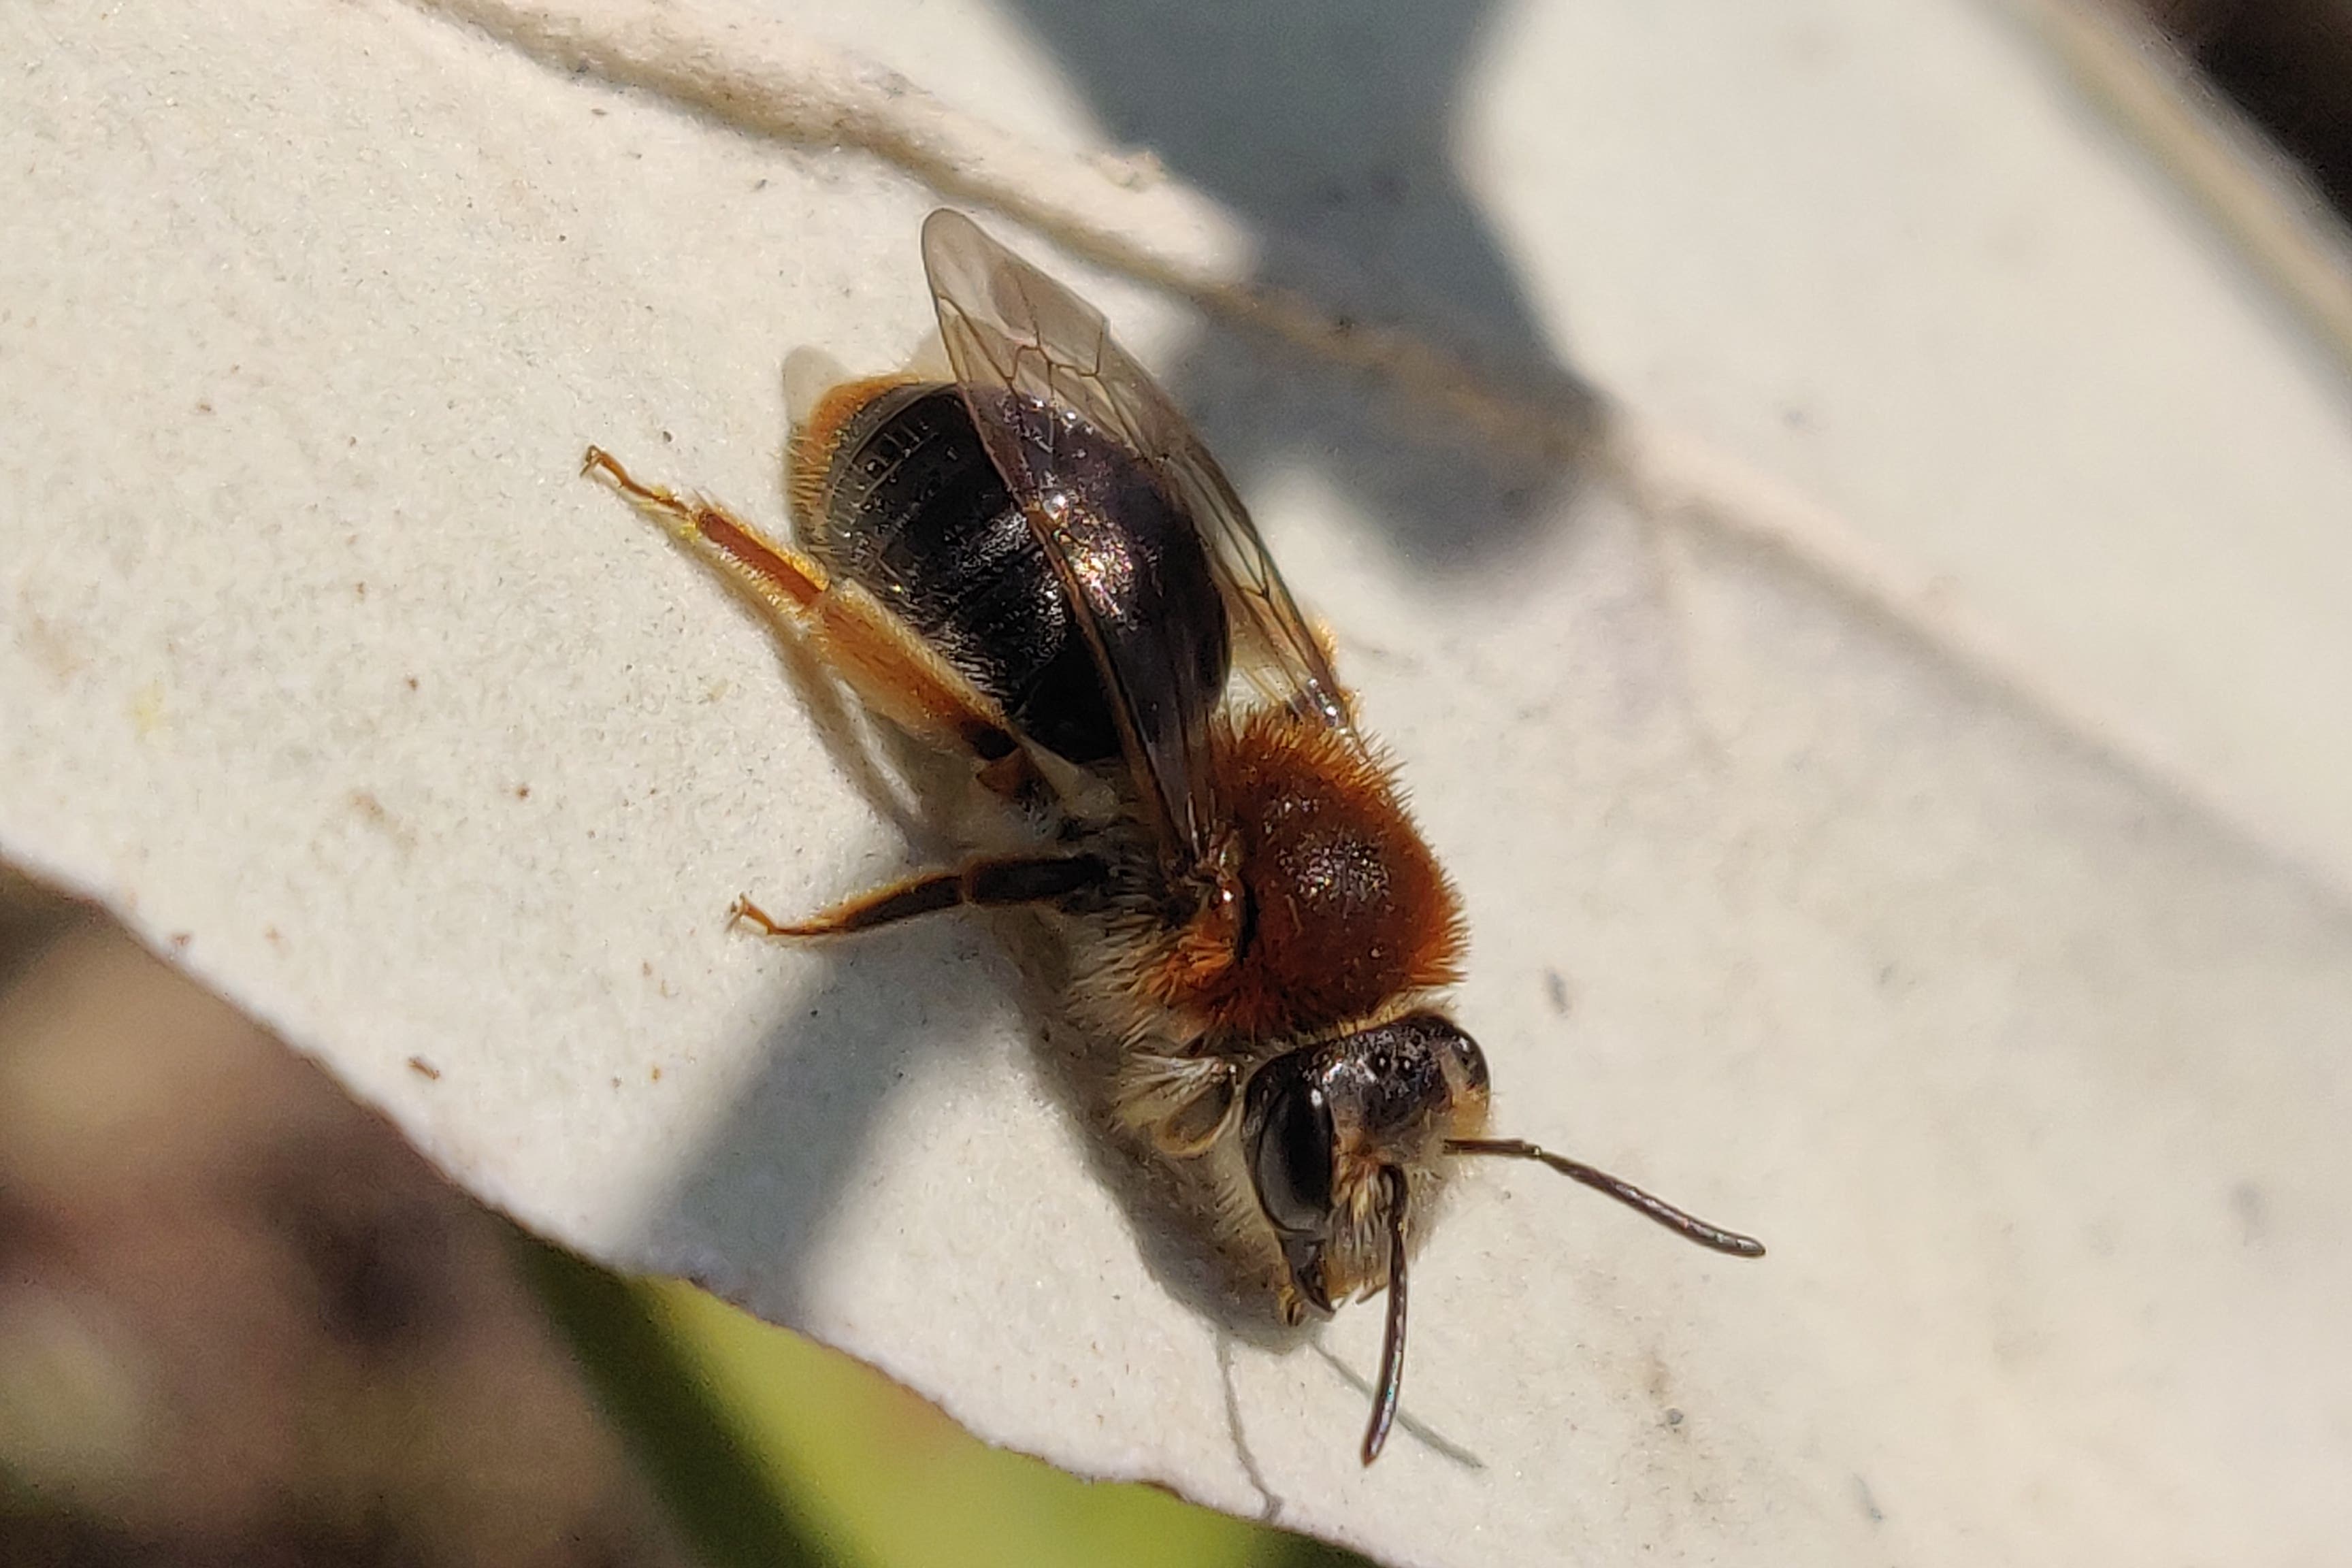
[724, 1496]
[770, 1449]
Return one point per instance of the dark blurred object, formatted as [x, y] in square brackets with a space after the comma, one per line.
[2287, 64]
[241, 1321]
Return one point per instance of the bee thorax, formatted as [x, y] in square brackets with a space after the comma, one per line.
[1332, 908]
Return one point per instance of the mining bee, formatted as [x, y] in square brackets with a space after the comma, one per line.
[1035, 564]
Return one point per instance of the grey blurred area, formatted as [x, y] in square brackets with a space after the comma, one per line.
[241, 1321]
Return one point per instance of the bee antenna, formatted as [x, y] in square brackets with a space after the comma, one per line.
[1384, 1401]
[1687, 1225]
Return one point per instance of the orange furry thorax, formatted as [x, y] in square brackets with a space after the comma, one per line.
[1328, 908]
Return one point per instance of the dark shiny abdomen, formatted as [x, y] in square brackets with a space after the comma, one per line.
[917, 513]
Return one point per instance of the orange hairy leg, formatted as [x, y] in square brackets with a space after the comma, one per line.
[891, 669]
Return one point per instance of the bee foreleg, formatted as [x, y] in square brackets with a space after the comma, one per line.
[983, 884]
[1182, 1103]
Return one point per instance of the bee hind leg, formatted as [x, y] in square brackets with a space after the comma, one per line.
[891, 669]
[981, 884]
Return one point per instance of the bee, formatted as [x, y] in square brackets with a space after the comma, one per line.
[1035, 564]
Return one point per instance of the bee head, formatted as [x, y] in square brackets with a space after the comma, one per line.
[1344, 1137]
[1336, 1135]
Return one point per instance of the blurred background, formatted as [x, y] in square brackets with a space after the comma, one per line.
[242, 1322]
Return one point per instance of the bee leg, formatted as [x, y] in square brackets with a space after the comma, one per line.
[891, 669]
[983, 884]
[1182, 1103]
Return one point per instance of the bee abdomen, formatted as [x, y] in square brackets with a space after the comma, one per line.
[912, 508]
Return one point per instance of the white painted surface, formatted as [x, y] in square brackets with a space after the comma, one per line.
[2030, 1073]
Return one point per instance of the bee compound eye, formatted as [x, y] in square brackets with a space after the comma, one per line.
[1291, 1158]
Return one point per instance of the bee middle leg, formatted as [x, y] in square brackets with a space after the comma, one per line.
[981, 884]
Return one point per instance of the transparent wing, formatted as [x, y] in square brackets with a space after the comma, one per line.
[1043, 377]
